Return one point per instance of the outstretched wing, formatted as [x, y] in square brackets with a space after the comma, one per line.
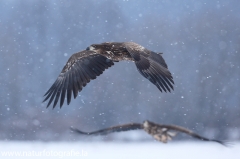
[119, 128]
[78, 71]
[151, 65]
[191, 133]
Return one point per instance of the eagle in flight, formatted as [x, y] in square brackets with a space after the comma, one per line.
[86, 65]
[160, 132]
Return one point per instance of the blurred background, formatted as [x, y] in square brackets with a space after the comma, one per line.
[200, 41]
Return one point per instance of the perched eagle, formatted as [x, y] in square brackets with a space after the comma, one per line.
[86, 65]
[162, 133]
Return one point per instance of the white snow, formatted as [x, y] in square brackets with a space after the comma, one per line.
[118, 150]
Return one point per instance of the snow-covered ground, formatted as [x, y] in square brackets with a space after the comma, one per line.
[118, 150]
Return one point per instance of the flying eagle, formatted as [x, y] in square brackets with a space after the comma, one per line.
[160, 132]
[86, 65]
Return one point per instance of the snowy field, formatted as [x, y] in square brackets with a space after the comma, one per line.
[118, 150]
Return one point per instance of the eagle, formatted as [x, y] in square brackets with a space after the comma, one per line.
[86, 65]
[162, 133]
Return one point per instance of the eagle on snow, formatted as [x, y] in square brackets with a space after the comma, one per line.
[86, 65]
[160, 132]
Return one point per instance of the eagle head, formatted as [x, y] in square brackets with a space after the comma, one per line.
[91, 48]
[146, 124]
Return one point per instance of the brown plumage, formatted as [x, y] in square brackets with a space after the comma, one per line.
[160, 132]
[86, 65]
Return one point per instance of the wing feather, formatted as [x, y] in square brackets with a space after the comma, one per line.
[161, 78]
[84, 78]
[79, 70]
[191, 133]
[119, 128]
[152, 66]
[65, 86]
[76, 85]
[53, 93]
[58, 93]
[69, 88]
